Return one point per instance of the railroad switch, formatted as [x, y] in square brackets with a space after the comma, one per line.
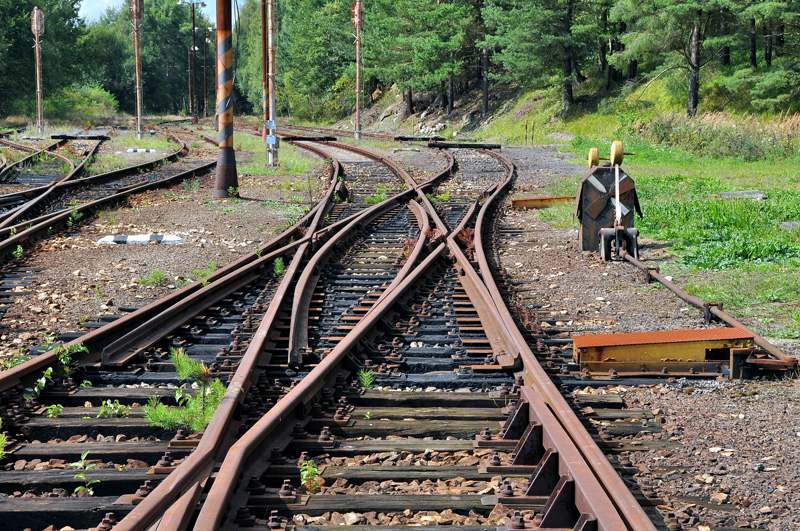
[605, 205]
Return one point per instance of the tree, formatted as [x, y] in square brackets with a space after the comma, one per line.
[536, 39]
[674, 33]
[61, 53]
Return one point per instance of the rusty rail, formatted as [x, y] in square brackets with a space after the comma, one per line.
[591, 487]
[623, 499]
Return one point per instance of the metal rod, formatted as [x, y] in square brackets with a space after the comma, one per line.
[272, 151]
[713, 309]
[227, 178]
[139, 132]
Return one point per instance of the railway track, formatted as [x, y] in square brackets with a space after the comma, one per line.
[377, 374]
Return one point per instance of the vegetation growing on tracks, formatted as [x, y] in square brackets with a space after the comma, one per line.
[291, 161]
[193, 413]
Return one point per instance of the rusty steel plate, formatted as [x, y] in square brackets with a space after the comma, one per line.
[669, 336]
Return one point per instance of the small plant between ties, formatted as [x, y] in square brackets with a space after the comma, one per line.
[366, 378]
[87, 483]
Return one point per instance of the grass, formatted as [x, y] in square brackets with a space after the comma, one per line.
[379, 197]
[147, 142]
[290, 160]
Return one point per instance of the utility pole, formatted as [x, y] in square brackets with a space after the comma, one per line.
[189, 79]
[358, 21]
[136, 9]
[205, 74]
[37, 27]
[194, 69]
[193, 62]
[227, 177]
[272, 137]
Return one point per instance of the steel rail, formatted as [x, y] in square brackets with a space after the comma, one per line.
[589, 497]
[198, 466]
[298, 328]
[64, 183]
[634, 516]
[13, 215]
[212, 511]
[708, 308]
[13, 376]
[45, 150]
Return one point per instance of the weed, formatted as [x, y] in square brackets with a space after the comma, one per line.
[97, 291]
[366, 378]
[309, 474]
[87, 483]
[278, 267]
[18, 358]
[233, 191]
[53, 411]
[368, 415]
[3, 443]
[191, 186]
[203, 274]
[379, 197]
[336, 198]
[19, 252]
[154, 278]
[109, 409]
[168, 194]
[192, 413]
[39, 384]
[85, 384]
[259, 250]
[328, 219]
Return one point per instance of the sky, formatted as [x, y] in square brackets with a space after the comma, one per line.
[92, 9]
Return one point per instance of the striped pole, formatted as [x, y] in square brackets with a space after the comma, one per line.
[226, 156]
[264, 67]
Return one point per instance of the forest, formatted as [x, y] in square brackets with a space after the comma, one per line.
[732, 55]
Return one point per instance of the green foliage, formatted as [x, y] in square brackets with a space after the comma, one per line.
[379, 197]
[368, 415]
[203, 274]
[63, 56]
[278, 267]
[109, 409]
[154, 278]
[82, 464]
[17, 358]
[19, 252]
[366, 378]
[309, 474]
[192, 413]
[53, 411]
[3, 443]
[80, 101]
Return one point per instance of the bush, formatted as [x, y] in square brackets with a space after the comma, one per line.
[80, 101]
[718, 135]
